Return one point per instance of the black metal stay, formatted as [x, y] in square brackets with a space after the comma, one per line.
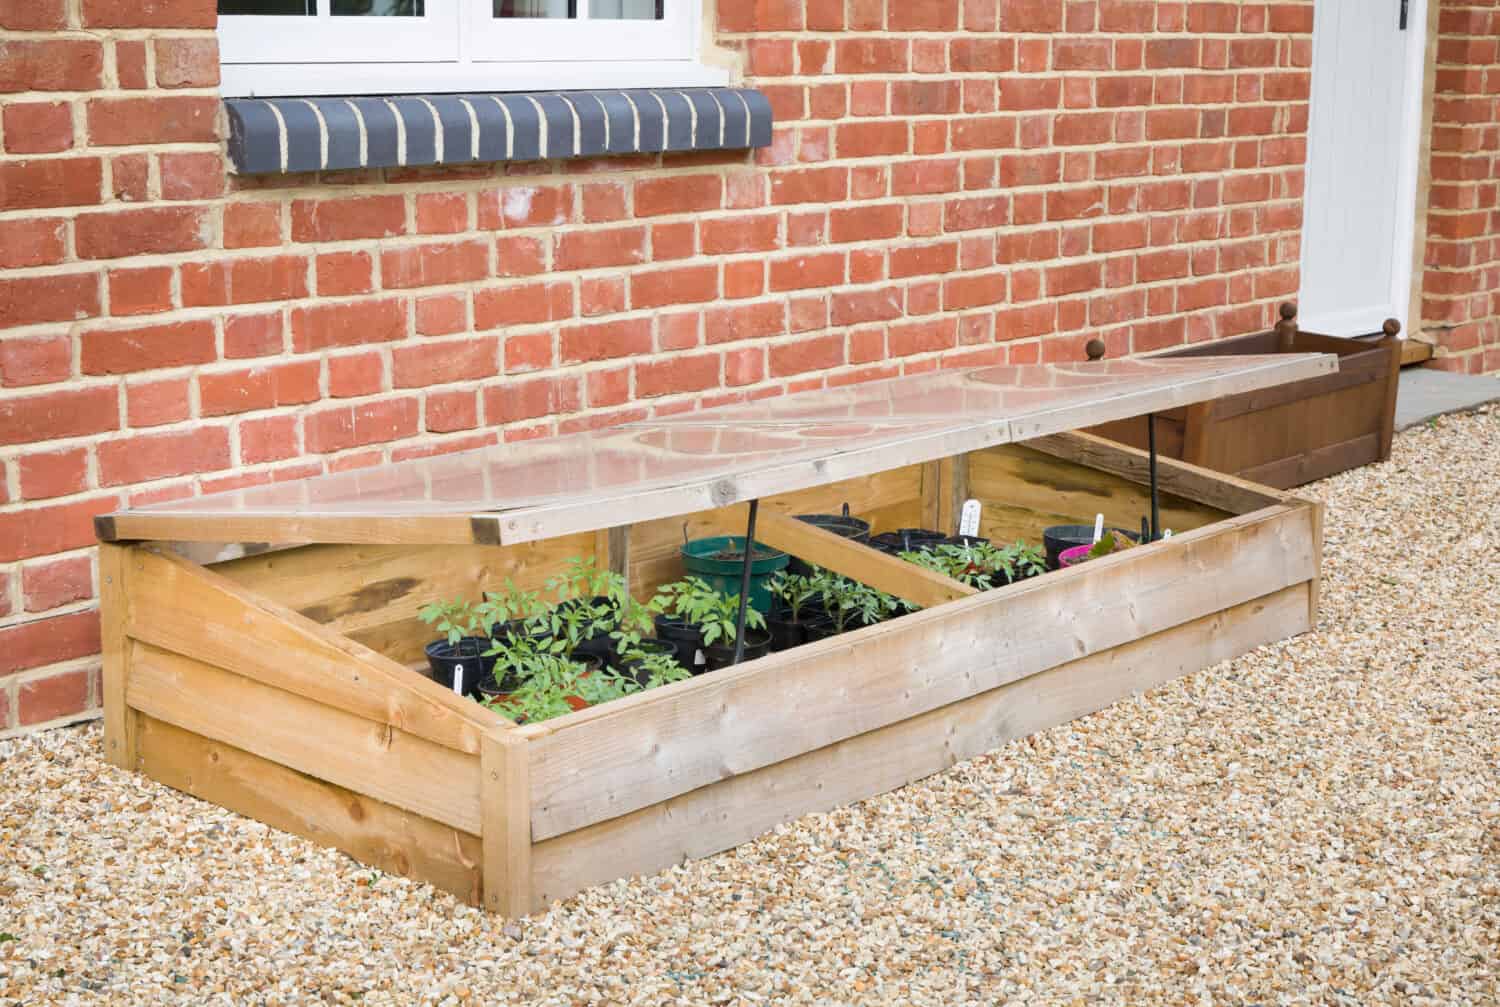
[1155, 489]
[739, 626]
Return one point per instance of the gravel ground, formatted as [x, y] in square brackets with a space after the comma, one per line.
[1316, 822]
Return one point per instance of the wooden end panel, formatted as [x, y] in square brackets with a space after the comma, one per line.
[731, 811]
[371, 831]
[616, 759]
[1024, 490]
[360, 755]
[181, 607]
[1213, 493]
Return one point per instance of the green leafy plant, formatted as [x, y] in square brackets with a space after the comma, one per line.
[632, 624]
[1025, 560]
[454, 619]
[794, 591]
[510, 605]
[850, 602]
[546, 680]
[716, 615]
[661, 668]
[1111, 542]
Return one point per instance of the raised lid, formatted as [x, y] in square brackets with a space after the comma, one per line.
[671, 465]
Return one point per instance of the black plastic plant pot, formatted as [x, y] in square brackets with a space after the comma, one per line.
[852, 528]
[460, 666]
[689, 641]
[633, 669]
[907, 540]
[601, 648]
[820, 629]
[757, 644]
[1066, 536]
[785, 633]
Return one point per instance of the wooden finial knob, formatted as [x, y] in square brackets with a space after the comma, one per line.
[1391, 328]
[1095, 349]
[1288, 311]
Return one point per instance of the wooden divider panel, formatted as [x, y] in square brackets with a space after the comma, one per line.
[890, 574]
[740, 807]
[887, 500]
[613, 760]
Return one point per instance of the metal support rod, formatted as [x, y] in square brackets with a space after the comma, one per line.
[1155, 489]
[739, 625]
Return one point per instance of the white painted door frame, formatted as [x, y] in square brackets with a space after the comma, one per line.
[1363, 321]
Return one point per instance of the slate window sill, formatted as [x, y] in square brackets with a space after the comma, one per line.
[281, 135]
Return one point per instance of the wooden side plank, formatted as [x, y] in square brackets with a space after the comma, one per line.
[1317, 463]
[114, 614]
[505, 775]
[610, 761]
[370, 831]
[738, 809]
[193, 611]
[1354, 370]
[1214, 489]
[869, 566]
[304, 735]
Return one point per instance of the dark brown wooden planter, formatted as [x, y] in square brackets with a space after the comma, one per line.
[1291, 434]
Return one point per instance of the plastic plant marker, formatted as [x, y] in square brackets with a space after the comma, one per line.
[1098, 527]
[968, 522]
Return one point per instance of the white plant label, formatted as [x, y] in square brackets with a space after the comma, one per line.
[1098, 527]
[458, 679]
[968, 521]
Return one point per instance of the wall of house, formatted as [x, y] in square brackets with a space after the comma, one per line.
[1461, 284]
[952, 182]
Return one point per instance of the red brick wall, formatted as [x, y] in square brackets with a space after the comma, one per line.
[1461, 287]
[952, 182]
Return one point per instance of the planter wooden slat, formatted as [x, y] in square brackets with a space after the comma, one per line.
[1290, 434]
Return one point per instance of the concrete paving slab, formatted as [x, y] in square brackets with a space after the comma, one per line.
[1425, 393]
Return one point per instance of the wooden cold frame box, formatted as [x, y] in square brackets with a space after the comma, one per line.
[281, 685]
[1289, 434]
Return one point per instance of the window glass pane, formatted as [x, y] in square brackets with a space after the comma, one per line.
[536, 8]
[378, 8]
[627, 10]
[281, 7]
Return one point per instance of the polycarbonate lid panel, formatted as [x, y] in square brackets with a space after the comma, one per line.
[693, 461]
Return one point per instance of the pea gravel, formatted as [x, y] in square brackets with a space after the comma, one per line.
[1315, 823]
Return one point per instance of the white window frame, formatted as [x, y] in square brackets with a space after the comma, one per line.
[458, 45]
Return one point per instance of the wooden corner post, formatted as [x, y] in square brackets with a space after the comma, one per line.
[505, 802]
[1286, 328]
[1391, 343]
[114, 599]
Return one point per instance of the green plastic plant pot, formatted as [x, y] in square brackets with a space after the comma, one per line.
[710, 559]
